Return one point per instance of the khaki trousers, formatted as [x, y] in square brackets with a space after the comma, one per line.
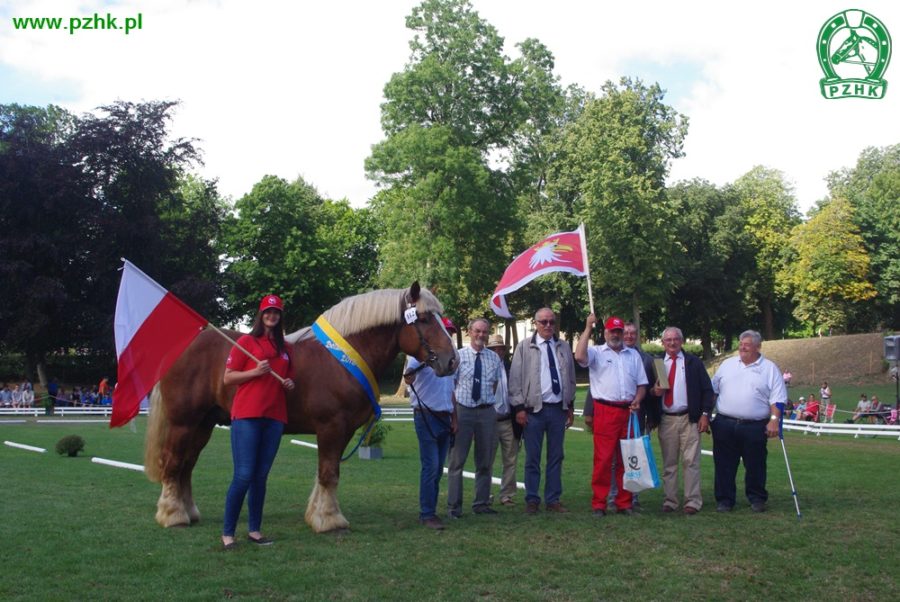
[680, 439]
[509, 449]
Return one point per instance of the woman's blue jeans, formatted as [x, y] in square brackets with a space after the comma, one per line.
[254, 443]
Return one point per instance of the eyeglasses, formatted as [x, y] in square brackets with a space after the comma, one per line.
[546, 322]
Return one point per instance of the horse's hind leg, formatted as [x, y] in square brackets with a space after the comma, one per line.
[323, 512]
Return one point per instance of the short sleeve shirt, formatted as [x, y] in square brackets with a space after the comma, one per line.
[263, 396]
[615, 376]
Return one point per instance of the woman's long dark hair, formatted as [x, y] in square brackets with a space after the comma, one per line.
[259, 329]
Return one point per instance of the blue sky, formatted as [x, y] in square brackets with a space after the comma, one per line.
[293, 88]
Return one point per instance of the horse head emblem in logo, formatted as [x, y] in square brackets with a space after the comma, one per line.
[854, 50]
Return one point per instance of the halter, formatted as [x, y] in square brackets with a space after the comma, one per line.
[430, 357]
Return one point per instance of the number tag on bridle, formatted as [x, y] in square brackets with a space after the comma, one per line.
[410, 315]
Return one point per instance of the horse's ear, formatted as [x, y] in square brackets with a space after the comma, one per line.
[414, 291]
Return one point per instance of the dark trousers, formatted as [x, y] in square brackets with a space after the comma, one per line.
[550, 421]
[733, 442]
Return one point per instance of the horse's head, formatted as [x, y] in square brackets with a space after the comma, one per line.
[848, 49]
[423, 335]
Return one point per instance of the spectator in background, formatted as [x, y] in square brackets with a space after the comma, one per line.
[16, 396]
[28, 398]
[5, 397]
[103, 387]
[53, 390]
[825, 393]
[862, 407]
[787, 376]
[811, 412]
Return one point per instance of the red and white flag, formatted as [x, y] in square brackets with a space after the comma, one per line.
[560, 252]
[152, 328]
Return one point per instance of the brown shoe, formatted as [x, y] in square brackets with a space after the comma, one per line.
[690, 510]
[532, 508]
[432, 523]
[557, 507]
[668, 509]
[508, 502]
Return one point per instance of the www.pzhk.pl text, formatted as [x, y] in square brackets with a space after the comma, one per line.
[97, 22]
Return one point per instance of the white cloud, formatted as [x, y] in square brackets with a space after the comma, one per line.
[293, 88]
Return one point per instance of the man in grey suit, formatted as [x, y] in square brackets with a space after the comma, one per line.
[542, 396]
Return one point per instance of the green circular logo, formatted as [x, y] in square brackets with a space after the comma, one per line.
[854, 49]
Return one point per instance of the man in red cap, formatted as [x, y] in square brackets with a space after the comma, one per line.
[618, 385]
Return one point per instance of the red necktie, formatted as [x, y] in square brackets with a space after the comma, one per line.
[668, 399]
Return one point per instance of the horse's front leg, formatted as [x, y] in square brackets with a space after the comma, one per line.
[323, 512]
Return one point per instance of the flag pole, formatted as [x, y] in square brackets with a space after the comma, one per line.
[242, 348]
[587, 267]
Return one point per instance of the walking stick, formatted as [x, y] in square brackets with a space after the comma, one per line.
[787, 462]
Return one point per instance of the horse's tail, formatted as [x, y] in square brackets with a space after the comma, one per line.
[157, 431]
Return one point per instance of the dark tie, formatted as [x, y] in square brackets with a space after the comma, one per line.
[669, 392]
[476, 378]
[554, 374]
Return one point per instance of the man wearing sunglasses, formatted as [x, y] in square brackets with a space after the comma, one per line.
[542, 396]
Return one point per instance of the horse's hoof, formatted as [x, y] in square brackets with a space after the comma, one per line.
[339, 531]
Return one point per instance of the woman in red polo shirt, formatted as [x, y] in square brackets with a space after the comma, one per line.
[258, 416]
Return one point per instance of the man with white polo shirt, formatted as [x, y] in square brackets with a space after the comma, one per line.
[618, 385]
[748, 387]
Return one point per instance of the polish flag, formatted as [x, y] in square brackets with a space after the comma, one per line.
[152, 328]
[560, 252]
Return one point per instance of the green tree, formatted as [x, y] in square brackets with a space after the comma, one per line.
[78, 193]
[829, 267]
[770, 212]
[712, 264]
[872, 187]
[286, 239]
[612, 162]
[445, 208]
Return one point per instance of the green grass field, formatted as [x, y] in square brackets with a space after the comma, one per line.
[79, 530]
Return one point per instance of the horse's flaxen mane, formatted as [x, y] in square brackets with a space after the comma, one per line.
[357, 313]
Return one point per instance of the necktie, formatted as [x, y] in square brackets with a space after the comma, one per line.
[554, 374]
[476, 379]
[668, 400]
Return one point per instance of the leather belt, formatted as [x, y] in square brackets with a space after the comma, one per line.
[681, 413]
[442, 414]
[741, 420]
[624, 405]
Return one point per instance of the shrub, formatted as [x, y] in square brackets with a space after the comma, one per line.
[70, 444]
[377, 435]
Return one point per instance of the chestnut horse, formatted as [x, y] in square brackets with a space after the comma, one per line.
[191, 399]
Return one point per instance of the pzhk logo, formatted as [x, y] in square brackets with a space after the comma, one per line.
[854, 51]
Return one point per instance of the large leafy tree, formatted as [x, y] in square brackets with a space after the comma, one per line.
[612, 162]
[872, 187]
[712, 264]
[769, 213]
[458, 106]
[829, 267]
[286, 239]
[78, 193]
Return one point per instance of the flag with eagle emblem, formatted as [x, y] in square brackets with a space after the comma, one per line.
[560, 252]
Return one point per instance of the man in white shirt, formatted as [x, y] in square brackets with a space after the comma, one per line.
[748, 387]
[618, 385]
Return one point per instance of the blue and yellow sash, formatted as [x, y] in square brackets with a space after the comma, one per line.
[349, 359]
